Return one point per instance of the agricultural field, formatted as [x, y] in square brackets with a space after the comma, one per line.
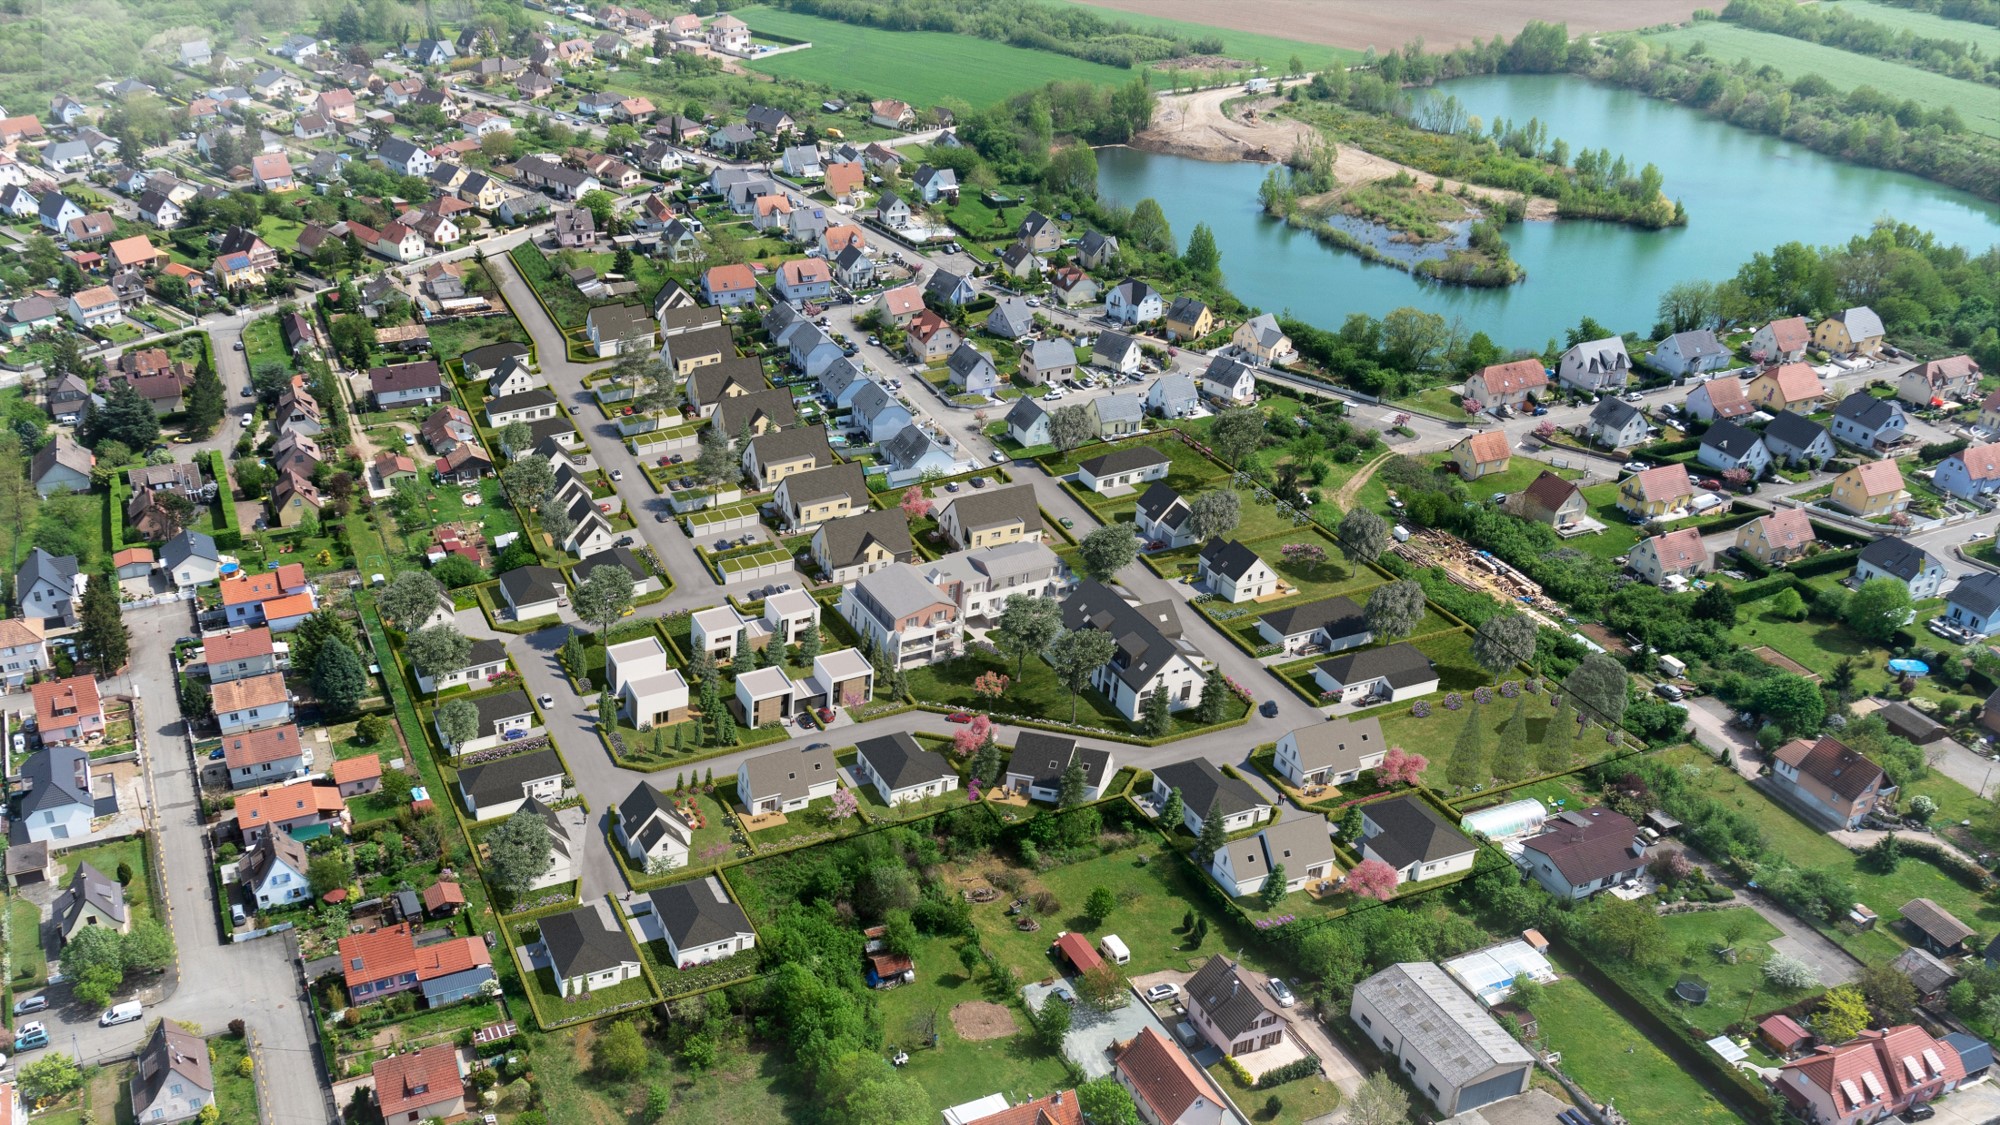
[1274, 51]
[1442, 24]
[928, 66]
[1925, 25]
[1977, 105]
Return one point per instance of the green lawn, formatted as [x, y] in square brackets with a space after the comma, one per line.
[1189, 473]
[281, 233]
[1977, 105]
[929, 66]
[25, 942]
[803, 827]
[1822, 645]
[453, 338]
[1435, 736]
[1036, 693]
[235, 1093]
[959, 1070]
[263, 344]
[1925, 25]
[1613, 1061]
[1620, 534]
[1733, 987]
[106, 857]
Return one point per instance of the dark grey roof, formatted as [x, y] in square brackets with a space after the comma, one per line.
[1412, 832]
[967, 359]
[1867, 411]
[483, 652]
[698, 912]
[169, 1051]
[641, 815]
[1186, 309]
[1044, 757]
[488, 357]
[622, 557]
[498, 782]
[909, 445]
[189, 545]
[708, 382]
[525, 400]
[1732, 440]
[1895, 556]
[1340, 617]
[1160, 502]
[1025, 412]
[1793, 429]
[789, 774]
[579, 943]
[1233, 999]
[1614, 412]
[91, 887]
[1204, 787]
[1698, 344]
[779, 446]
[845, 537]
[526, 585]
[1400, 664]
[1229, 558]
[1124, 459]
[942, 283]
[1977, 593]
[57, 570]
[1975, 1053]
[396, 150]
[1148, 637]
[847, 478]
[996, 506]
[57, 777]
[901, 762]
[736, 411]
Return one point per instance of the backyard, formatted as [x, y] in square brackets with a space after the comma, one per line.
[957, 1070]
[106, 858]
[1035, 693]
[1612, 1059]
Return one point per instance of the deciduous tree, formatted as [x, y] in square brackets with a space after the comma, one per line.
[1598, 686]
[1503, 641]
[1371, 878]
[1072, 426]
[438, 650]
[1106, 551]
[1027, 626]
[603, 598]
[1879, 608]
[519, 852]
[1395, 610]
[1075, 656]
[457, 723]
[339, 678]
[409, 598]
[1236, 434]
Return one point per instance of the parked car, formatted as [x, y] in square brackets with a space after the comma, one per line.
[31, 1036]
[959, 717]
[1635, 466]
[1669, 692]
[30, 1004]
[1281, 993]
[617, 474]
[1160, 992]
[1268, 708]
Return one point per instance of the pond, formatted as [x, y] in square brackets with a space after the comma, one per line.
[1744, 192]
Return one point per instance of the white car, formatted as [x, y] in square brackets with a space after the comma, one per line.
[1162, 992]
[247, 420]
[547, 701]
[617, 474]
[1281, 993]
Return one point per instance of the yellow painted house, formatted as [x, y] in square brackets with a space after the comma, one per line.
[1777, 538]
[1873, 488]
[1189, 319]
[1657, 491]
[1855, 331]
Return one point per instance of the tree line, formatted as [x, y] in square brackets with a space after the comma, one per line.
[1060, 29]
[1837, 27]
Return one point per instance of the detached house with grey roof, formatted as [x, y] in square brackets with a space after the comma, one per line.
[1889, 557]
[1150, 654]
[1869, 423]
[1410, 836]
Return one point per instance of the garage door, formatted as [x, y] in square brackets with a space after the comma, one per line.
[1492, 1090]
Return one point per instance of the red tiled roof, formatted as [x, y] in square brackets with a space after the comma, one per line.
[294, 605]
[1165, 1078]
[1520, 375]
[247, 588]
[387, 952]
[241, 751]
[442, 894]
[1550, 492]
[1982, 462]
[1784, 1029]
[454, 956]
[57, 704]
[282, 804]
[903, 299]
[1727, 397]
[1487, 447]
[1662, 482]
[1077, 949]
[1677, 549]
[1875, 1069]
[1790, 334]
[238, 646]
[1797, 382]
[357, 769]
[1937, 373]
[411, 1082]
[1059, 1108]
[257, 691]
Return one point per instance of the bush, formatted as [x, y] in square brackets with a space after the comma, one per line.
[1290, 1072]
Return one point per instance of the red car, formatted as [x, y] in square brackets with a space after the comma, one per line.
[959, 717]
[826, 714]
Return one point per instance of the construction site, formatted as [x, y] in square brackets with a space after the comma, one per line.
[1479, 570]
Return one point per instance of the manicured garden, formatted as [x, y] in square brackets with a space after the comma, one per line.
[1035, 694]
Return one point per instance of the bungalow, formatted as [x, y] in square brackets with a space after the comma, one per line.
[1584, 851]
[1118, 415]
[1939, 381]
[1971, 472]
[1507, 384]
[1595, 366]
[1161, 515]
[1669, 555]
[1334, 752]
[1263, 341]
[1690, 353]
[1124, 468]
[486, 660]
[1719, 398]
[357, 776]
[1795, 439]
[1778, 538]
[700, 922]
[1855, 331]
[1205, 791]
[1410, 836]
[499, 788]
[1874, 424]
[1788, 386]
[1827, 782]
[1389, 674]
[902, 771]
[786, 781]
[892, 114]
[1890, 557]
[1726, 446]
[405, 383]
[585, 951]
[1974, 604]
[1233, 572]
[1482, 454]
[1656, 491]
[1132, 301]
[1872, 488]
[1333, 625]
[1040, 763]
[1781, 341]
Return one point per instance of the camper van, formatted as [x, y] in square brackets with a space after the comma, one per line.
[1114, 949]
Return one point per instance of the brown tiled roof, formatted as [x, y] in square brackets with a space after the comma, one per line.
[237, 646]
[1788, 527]
[357, 769]
[1662, 482]
[1829, 762]
[1167, 1081]
[257, 691]
[1550, 491]
[1935, 921]
[1600, 846]
[241, 751]
[413, 1081]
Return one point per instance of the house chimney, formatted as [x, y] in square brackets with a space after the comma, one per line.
[1057, 1100]
[1234, 984]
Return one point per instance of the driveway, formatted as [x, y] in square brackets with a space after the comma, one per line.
[1977, 1104]
[1091, 1032]
[1710, 717]
[1833, 964]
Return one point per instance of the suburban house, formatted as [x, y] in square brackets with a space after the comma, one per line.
[1233, 572]
[1124, 468]
[1189, 319]
[586, 951]
[378, 964]
[1872, 488]
[92, 898]
[1482, 454]
[1788, 386]
[971, 371]
[1874, 1077]
[1161, 516]
[1720, 398]
[1450, 1047]
[1829, 783]
[1410, 836]
[651, 830]
[172, 1079]
[1939, 381]
[1297, 848]
[296, 808]
[534, 591]
[1869, 423]
[950, 289]
[700, 922]
[1778, 538]
[848, 547]
[1263, 341]
[1132, 301]
[1583, 851]
[499, 788]
[252, 704]
[1855, 331]
[614, 328]
[273, 872]
[1507, 384]
[1974, 604]
[910, 621]
[487, 659]
[1890, 557]
[404, 384]
[263, 757]
[1797, 440]
[1971, 472]
[1229, 381]
[62, 465]
[1232, 1009]
[1617, 424]
[1668, 555]
[1039, 762]
[1690, 353]
[1044, 361]
[930, 338]
[23, 650]
[1118, 352]
[1389, 674]
[48, 588]
[1781, 341]
[901, 770]
[1204, 789]
[58, 803]
[1330, 753]
[649, 692]
[1028, 422]
[1331, 625]
[807, 499]
[1552, 500]
[68, 710]
[786, 781]
[1166, 1085]
[1118, 415]
[723, 286]
[770, 457]
[1656, 491]
[1595, 366]
[1151, 654]
[1726, 446]
[991, 517]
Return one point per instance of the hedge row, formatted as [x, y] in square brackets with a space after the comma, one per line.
[228, 533]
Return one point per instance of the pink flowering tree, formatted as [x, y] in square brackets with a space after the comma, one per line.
[1400, 767]
[1371, 878]
[844, 805]
[991, 685]
[915, 504]
[1546, 430]
[973, 735]
[1469, 405]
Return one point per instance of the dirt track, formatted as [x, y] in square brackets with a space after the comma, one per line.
[1443, 24]
[1195, 125]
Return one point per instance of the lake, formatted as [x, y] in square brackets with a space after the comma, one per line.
[1744, 192]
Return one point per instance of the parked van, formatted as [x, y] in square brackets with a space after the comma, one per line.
[1114, 949]
[123, 1013]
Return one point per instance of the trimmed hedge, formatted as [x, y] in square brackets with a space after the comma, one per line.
[1766, 587]
[1825, 563]
[228, 533]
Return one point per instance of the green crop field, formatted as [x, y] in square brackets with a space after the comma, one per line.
[1978, 106]
[920, 67]
[1272, 50]
[1924, 24]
